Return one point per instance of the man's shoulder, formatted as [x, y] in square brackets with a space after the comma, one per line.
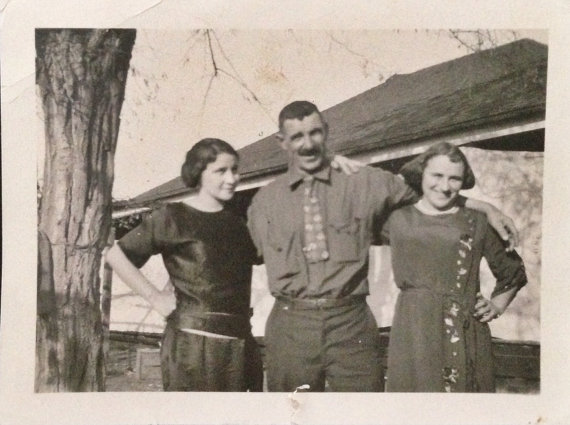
[364, 175]
[272, 188]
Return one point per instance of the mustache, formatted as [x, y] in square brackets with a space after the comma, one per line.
[310, 151]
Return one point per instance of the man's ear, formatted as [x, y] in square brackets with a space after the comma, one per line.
[281, 140]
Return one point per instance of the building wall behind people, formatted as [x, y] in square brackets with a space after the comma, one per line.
[510, 180]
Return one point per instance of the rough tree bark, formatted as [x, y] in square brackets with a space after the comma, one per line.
[81, 76]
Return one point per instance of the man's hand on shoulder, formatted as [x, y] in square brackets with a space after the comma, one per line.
[503, 224]
[505, 227]
[346, 165]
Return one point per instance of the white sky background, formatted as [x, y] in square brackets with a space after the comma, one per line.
[166, 109]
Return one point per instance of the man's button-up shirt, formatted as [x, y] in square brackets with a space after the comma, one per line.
[349, 207]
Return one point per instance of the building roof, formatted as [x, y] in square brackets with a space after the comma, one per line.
[496, 87]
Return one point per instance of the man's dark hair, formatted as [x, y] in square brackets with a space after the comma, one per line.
[297, 111]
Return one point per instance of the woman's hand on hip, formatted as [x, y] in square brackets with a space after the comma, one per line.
[485, 309]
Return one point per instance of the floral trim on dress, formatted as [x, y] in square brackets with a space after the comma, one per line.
[455, 314]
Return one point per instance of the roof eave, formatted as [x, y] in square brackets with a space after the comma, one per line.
[465, 132]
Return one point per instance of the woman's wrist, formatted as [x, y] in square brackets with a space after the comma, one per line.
[151, 293]
[498, 310]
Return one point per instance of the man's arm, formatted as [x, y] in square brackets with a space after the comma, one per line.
[504, 226]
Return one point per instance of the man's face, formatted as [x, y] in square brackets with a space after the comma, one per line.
[305, 142]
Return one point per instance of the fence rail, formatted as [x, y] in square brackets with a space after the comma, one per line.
[517, 363]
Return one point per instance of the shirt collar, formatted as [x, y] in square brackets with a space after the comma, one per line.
[295, 176]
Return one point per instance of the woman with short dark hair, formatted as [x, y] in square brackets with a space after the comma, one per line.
[207, 344]
[440, 339]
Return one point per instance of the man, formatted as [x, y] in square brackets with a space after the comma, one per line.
[314, 228]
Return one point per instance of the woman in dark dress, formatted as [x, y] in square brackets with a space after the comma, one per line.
[207, 344]
[440, 339]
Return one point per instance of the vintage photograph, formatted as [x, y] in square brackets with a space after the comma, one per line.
[290, 210]
[284, 213]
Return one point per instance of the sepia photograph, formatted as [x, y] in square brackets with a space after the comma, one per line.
[476, 98]
[322, 216]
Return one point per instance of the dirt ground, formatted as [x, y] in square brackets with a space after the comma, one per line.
[121, 370]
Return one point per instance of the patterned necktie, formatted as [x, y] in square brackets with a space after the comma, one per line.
[315, 246]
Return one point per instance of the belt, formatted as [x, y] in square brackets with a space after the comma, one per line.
[222, 324]
[321, 303]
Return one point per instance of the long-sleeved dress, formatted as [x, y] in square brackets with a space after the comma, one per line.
[436, 344]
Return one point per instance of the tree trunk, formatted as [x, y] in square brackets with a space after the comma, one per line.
[81, 76]
[106, 295]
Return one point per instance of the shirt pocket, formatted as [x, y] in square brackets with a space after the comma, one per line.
[344, 239]
[282, 259]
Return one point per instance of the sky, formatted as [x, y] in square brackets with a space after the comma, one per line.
[175, 95]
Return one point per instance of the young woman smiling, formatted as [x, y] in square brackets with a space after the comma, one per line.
[207, 344]
[440, 339]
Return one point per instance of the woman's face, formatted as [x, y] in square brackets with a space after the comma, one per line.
[441, 182]
[220, 178]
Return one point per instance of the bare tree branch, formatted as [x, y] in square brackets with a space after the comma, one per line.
[477, 40]
[222, 51]
[234, 75]
[251, 93]
[205, 98]
[212, 53]
[366, 60]
[192, 40]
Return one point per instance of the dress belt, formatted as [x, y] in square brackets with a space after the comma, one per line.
[234, 325]
[321, 303]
